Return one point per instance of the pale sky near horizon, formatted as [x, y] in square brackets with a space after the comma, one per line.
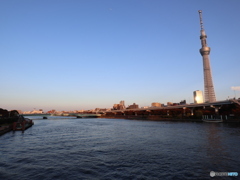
[86, 54]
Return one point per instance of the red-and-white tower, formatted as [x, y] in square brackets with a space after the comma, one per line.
[209, 93]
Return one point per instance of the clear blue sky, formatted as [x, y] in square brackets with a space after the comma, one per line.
[84, 54]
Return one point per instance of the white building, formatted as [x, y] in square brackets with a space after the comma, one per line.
[198, 97]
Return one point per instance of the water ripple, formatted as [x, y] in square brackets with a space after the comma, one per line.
[119, 149]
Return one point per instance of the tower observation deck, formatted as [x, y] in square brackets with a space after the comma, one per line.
[209, 93]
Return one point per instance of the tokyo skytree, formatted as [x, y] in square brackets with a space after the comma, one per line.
[209, 93]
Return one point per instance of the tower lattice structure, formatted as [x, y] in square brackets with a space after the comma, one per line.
[209, 93]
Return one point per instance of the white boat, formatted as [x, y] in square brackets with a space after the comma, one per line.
[215, 119]
[212, 120]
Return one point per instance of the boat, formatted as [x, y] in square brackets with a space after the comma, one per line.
[213, 120]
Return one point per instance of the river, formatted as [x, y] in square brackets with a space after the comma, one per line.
[69, 148]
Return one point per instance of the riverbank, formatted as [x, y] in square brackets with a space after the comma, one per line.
[5, 128]
[13, 121]
[161, 118]
[20, 125]
[16, 126]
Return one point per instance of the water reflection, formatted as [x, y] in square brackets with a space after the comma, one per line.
[219, 155]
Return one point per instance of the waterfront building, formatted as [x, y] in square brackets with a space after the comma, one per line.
[156, 104]
[182, 102]
[209, 93]
[119, 106]
[122, 104]
[51, 111]
[100, 110]
[104, 109]
[34, 112]
[133, 106]
[198, 97]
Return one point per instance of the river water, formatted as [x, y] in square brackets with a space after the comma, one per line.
[69, 148]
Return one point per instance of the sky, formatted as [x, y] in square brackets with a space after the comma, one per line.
[87, 54]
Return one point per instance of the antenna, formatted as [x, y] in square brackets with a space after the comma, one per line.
[200, 16]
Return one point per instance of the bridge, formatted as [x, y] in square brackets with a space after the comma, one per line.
[223, 109]
[78, 115]
[42, 114]
[216, 104]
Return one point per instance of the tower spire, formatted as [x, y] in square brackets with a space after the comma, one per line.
[209, 93]
[200, 16]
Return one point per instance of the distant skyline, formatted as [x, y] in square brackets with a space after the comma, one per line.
[78, 54]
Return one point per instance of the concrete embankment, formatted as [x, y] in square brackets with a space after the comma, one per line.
[161, 118]
[152, 118]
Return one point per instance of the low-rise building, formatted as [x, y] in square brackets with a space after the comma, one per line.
[119, 106]
[156, 104]
[133, 106]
